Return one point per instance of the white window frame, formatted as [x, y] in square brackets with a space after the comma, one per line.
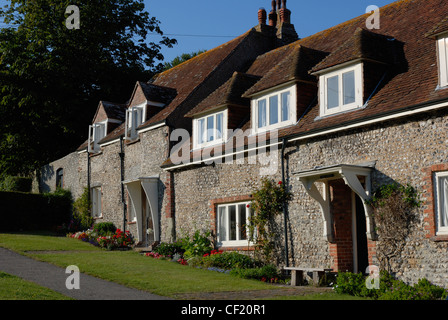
[97, 202]
[223, 224]
[135, 116]
[196, 129]
[323, 93]
[292, 112]
[97, 132]
[440, 202]
[442, 49]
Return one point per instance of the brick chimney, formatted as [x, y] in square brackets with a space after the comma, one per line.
[280, 27]
[286, 32]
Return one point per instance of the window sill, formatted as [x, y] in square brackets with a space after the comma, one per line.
[440, 238]
[236, 248]
[327, 115]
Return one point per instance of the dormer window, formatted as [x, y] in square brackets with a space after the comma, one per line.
[97, 132]
[341, 90]
[210, 129]
[442, 44]
[274, 110]
[135, 116]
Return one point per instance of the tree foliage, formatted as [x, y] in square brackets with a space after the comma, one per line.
[181, 59]
[52, 78]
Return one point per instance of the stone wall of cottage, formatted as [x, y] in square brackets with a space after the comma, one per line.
[404, 152]
[143, 158]
[74, 165]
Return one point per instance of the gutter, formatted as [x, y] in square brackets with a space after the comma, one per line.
[123, 200]
[284, 204]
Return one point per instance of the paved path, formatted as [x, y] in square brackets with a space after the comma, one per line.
[53, 277]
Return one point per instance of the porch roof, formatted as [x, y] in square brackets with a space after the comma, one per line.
[335, 171]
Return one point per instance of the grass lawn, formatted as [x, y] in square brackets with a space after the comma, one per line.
[129, 267]
[14, 288]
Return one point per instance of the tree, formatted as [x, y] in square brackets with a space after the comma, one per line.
[182, 58]
[52, 77]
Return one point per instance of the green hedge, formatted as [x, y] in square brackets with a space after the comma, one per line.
[27, 212]
[16, 184]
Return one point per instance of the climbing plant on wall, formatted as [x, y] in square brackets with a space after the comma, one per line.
[393, 211]
[267, 203]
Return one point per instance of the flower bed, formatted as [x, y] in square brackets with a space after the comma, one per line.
[107, 240]
[233, 263]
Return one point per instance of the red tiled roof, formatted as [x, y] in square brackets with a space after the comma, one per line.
[229, 93]
[290, 64]
[363, 44]
[439, 28]
[412, 76]
[407, 21]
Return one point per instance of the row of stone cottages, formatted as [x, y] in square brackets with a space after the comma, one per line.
[347, 110]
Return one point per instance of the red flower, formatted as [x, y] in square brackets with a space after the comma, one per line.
[279, 182]
[248, 206]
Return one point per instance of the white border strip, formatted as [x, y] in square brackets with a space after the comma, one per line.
[355, 125]
[364, 123]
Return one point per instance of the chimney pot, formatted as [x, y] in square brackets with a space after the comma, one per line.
[273, 14]
[262, 16]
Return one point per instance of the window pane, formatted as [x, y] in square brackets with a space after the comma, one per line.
[273, 110]
[443, 195]
[201, 131]
[348, 80]
[261, 113]
[210, 128]
[333, 92]
[222, 236]
[242, 222]
[285, 106]
[219, 125]
[232, 222]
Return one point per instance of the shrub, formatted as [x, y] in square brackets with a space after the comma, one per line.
[390, 288]
[104, 228]
[82, 217]
[198, 245]
[228, 260]
[267, 273]
[169, 249]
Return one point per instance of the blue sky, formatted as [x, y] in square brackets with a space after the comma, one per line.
[191, 22]
[230, 18]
